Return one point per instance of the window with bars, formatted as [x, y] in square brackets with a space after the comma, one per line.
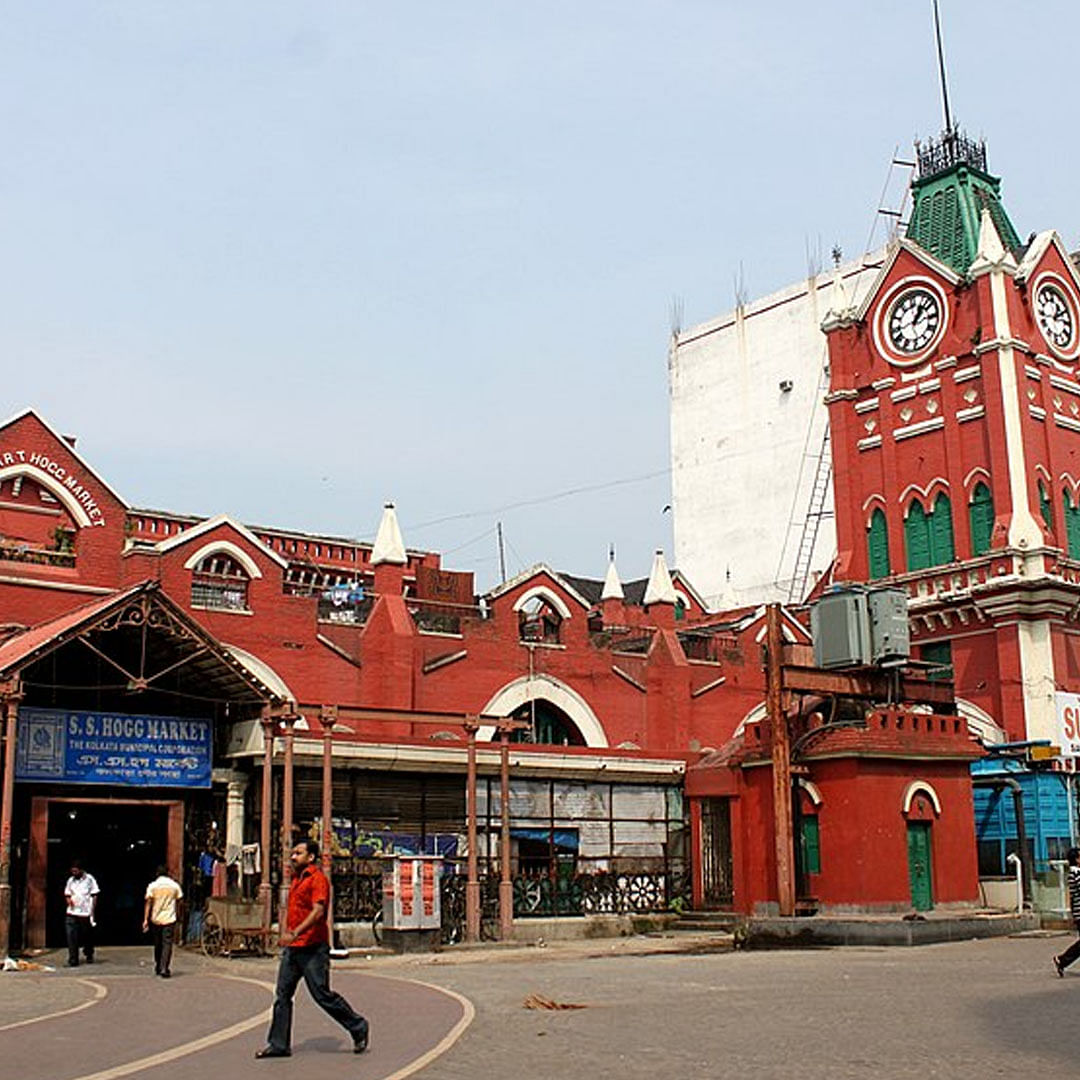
[219, 582]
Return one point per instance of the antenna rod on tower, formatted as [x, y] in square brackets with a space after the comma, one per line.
[941, 68]
[502, 552]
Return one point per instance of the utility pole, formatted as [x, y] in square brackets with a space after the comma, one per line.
[781, 761]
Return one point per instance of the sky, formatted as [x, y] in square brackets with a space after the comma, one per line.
[289, 261]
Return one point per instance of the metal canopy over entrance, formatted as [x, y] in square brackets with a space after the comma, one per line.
[133, 651]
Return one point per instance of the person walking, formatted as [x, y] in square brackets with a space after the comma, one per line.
[306, 955]
[159, 917]
[80, 895]
[1063, 960]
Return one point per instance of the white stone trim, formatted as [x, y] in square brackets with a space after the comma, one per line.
[921, 428]
[868, 405]
[53, 486]
[546, 593]
[965, 373]
[812, 790]
[924, 786]
[980, 723]
[187, 535]
[227, 546]
[973, 413]
[544, 687]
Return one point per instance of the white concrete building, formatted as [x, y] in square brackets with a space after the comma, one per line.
[747, 426]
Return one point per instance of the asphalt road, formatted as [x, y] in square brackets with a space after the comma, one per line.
[973, 1009]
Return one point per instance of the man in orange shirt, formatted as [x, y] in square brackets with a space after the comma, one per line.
[306, 955]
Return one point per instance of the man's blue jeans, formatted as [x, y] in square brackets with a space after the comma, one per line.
[312, 964]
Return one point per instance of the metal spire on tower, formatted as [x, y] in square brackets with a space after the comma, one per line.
[941, 69]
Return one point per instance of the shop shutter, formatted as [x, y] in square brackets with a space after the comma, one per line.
[981, 512]
[917, 537]
[877, 542]
[941, 532]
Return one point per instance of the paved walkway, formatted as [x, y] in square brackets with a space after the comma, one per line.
[115, 1018]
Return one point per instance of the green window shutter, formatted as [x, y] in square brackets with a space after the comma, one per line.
[981, 511]
[877, 543]
[1072, 526]
[917, 537]
[938, 652]
[941, 533]
[811, 844]
[1046, 507]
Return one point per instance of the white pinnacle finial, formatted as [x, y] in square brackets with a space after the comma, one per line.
[659, 589]
[613, 589]
[388, 546]
[992, 253]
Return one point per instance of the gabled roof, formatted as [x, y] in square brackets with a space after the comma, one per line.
[1038, 248]
[68, 448]
[208, 526]
[536, 571]
[913, 249]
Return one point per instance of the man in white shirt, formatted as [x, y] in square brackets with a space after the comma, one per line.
[159, 917]
[81, 893]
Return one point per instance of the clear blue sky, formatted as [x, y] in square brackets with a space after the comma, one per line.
[289, 260]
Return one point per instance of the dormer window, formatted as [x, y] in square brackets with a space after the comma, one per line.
[220, 583]
[539, 621]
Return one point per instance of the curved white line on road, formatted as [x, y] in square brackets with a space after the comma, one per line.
[448, 1040]
[99, 994]
[192, 1047]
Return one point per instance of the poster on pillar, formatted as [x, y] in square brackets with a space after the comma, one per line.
[1068, 724]
[63, 746]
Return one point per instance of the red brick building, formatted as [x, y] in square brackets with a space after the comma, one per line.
[955, 422]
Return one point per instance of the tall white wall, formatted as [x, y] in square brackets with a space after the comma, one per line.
[743, 449]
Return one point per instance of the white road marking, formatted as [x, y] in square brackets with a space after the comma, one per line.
[99, 994]
[444, 1044]
[192, 1047]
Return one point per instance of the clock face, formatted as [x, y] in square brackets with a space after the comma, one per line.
[1055, 314]
[913, 321]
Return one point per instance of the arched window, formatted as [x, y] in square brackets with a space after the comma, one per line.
[1072, 525]
[219, 582]
[1046, 507]
[539, 620]
[929, 537]
[877, 544]
[548, 725]
[981, 512]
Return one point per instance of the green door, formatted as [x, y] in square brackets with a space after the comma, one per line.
[918, 853]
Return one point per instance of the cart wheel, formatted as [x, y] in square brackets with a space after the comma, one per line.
[253, 943]
[213, 937]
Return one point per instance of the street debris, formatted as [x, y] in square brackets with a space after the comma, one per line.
[11, 964]
[538, 1001]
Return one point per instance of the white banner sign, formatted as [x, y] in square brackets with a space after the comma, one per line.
[1068, 724]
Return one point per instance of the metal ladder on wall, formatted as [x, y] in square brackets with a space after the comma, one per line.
[817, 510]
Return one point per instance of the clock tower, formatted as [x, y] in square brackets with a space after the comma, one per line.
[954, 409]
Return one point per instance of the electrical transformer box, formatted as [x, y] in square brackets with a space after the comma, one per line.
[841, 630]
[890, 638]
[411, 892]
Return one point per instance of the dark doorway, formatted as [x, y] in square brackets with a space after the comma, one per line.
[716, 871]
[121, 845]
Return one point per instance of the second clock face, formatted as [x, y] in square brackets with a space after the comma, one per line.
[913, 321]
[1055, 315]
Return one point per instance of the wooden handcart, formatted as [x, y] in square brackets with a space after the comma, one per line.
[231, 926]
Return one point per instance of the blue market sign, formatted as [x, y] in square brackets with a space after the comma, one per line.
[112, 748]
